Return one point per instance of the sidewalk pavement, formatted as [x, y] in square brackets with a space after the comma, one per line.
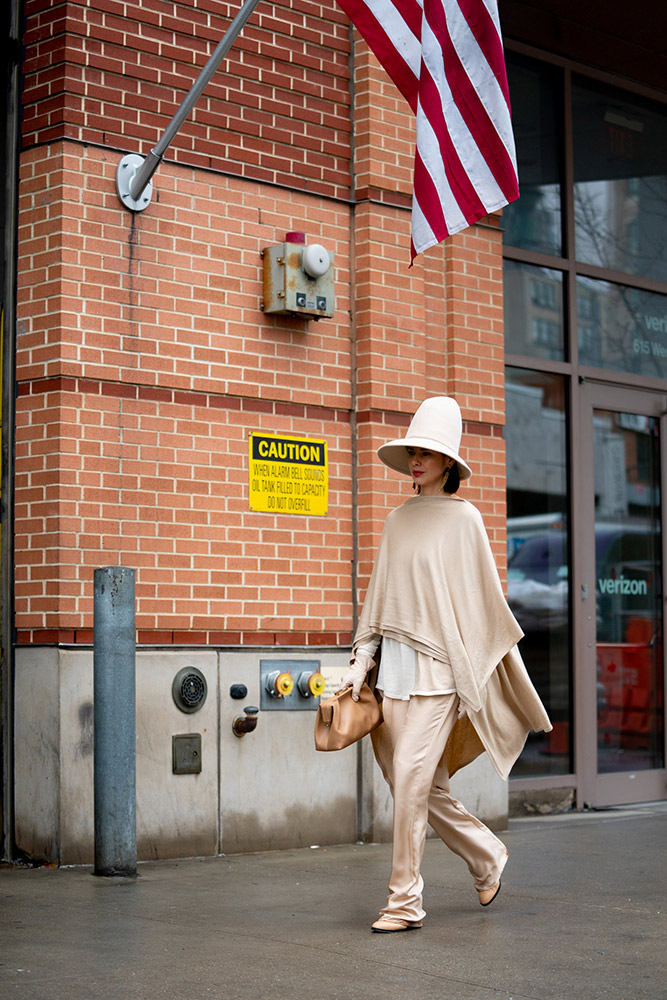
[581, 916]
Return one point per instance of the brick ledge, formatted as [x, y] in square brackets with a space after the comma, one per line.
[176, 637]
[185, 397]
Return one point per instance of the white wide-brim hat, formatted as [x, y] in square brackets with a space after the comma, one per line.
[437, 426]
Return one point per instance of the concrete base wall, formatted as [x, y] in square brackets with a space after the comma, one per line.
[276, 790]
[177, 814]
[268, 790]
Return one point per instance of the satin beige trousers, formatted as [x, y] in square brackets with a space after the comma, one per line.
[409, 748]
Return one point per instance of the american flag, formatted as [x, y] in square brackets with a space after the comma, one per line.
[446, 58]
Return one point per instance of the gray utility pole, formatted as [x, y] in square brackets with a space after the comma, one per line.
[114, 714]
[134, 173]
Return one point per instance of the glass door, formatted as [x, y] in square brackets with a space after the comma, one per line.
[620, 722]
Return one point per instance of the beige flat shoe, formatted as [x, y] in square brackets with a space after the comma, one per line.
[487, 896]
[390, 925]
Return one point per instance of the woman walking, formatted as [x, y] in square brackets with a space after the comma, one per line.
[452, 680]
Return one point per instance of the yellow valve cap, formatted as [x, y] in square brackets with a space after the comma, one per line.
[284, 684]
[316, 684]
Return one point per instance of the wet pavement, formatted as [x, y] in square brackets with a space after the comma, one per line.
[581, 916]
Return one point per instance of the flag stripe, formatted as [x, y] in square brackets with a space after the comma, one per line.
[484, 23]
[422, 233]
[463, 189]
[429, 197]
[466, 99]
[446, 58]
[393, 36]
[456, 141]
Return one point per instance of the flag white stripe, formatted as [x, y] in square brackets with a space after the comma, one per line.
[482, 77]
[423, 236]
[474, 189]
[492, 8]
[396, 28]
[463, 141]
[429, 150]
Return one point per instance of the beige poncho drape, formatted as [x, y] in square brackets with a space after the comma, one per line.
[435, 586]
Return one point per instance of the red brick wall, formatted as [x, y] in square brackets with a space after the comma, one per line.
[144, 359]
[433, 329]
[113, 73]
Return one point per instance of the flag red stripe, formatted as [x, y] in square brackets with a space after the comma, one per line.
[483, 28]
[382, 46]
[464, 161]
[429, 199]
[467, 100]
[462, 187]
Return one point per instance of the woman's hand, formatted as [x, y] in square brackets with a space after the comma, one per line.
[357, 673]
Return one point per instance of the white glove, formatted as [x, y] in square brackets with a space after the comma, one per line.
[357, 673]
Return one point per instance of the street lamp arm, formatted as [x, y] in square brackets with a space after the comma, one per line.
[131, 193]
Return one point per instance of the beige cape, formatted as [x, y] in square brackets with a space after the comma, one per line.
[435, 586]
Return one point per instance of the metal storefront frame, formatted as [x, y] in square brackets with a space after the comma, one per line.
[577, 376]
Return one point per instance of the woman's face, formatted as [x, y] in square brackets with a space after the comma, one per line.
[427, 469]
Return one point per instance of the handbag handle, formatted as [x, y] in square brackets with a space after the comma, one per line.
[327, 707]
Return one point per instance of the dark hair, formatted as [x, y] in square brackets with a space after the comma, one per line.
[453, 479]
[452, 484]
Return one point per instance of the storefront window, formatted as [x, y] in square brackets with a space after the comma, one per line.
[533, 298]
[620, 174]
[621, 328]
[534, 221]
[628, 600]
[538, 559]
[587, 246]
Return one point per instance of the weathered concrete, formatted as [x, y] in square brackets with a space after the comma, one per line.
[54, 757]
[581, 916]
[269, 790]
[276, 791]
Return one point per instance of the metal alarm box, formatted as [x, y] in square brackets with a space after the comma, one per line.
[299, 280]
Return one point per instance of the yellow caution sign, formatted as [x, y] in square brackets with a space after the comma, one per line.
[288, 475]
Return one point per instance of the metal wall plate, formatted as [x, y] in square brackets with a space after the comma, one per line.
[186, 753]
[126, 171]
[294, 702]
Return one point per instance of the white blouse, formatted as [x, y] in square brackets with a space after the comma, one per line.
[405, 671]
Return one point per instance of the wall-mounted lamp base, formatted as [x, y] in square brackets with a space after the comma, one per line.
[126, 171]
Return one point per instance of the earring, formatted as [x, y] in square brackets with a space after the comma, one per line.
[445, 478]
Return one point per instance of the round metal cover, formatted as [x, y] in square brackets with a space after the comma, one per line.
[189, 689]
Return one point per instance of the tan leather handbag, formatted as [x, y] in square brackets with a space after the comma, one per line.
[340, 721]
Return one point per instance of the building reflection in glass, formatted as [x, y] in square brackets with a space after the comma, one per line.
[621, 328]
[538, 555]
[533, 303]
[534, 222]
[628, 591]
[620, 180]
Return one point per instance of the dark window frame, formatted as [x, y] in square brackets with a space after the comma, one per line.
[574, 372]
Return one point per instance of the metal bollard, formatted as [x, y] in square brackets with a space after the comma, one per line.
[114, 685]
